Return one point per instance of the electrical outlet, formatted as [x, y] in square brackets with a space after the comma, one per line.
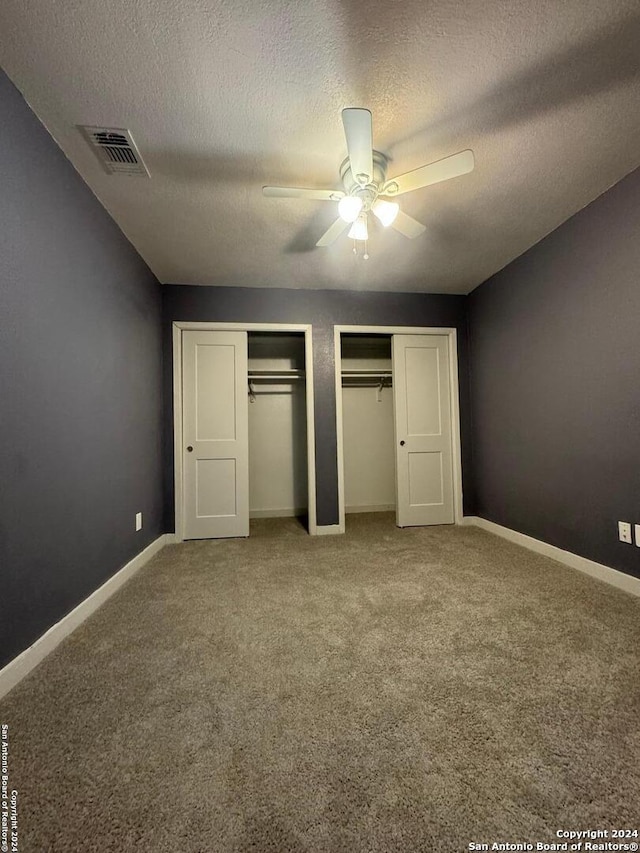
[139, 522]
[637, 529]
[624, 531]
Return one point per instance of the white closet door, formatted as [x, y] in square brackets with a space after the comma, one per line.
[421, 390]
[215, 435]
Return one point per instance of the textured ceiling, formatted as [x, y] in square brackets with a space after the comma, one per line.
[223, 97]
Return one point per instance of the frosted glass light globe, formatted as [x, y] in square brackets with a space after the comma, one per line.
[359, 229]
[386, 211]
[349, 208]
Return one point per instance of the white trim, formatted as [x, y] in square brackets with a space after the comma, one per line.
[177, 328]
[329, 529]
[628, 583]
[395, 330]
[311, 430]
[22, 665]
[177, 431]
[196, 326]
[451, 334]
[456, 433]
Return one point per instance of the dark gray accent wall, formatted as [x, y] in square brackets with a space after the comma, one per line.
[323, 309]
[555, 355]
[80, 386]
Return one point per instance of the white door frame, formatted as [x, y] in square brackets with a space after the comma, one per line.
[451, 335]
[177, 329]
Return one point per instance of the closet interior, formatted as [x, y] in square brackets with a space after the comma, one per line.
[277, 425]
[368, 423]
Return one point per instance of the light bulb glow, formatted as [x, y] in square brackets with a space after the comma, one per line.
[349, 208]
[386, 211]
[359, 229]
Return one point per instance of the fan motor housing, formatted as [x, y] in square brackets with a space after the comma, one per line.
[368, 192]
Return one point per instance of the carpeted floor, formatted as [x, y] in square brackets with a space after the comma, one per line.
[389, 690]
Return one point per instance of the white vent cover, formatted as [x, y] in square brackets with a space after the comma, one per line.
[116, 150]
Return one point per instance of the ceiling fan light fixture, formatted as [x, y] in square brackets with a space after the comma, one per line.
[363, 174]
[359, 229]
[349, 208]
[386, 211]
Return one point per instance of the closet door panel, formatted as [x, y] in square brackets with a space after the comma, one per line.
[422, 403]
[215, 378]
[215, 435]
[425, 478]
[216, 491]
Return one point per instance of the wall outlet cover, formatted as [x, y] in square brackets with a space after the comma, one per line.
[138, 521]
[637, 529]
[624, 531]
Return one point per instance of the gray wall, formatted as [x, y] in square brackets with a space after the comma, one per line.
[555, 355]
[80, 386]
[323, 309]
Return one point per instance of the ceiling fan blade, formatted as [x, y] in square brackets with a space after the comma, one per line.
[408, 226]
[442, 170]
[332, 234]
[359, 134]
[299, 192]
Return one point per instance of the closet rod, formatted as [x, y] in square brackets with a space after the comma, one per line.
[366, 382]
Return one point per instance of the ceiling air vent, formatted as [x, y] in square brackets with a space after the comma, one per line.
[116, 150]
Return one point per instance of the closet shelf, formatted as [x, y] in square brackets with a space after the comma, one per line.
[275, 374]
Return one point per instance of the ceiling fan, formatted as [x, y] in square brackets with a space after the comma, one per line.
[366, 188]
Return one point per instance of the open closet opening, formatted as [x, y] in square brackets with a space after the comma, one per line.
[368, 423]
[277, 425]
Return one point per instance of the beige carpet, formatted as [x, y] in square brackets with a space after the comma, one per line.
[388, 690]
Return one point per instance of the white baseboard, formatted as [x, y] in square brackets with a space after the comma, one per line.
[329, 529]
[628, 583]
[277, 513]
[16, 669]
[375, 508]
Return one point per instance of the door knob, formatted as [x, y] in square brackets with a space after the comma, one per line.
[190, 449]
[402, 444]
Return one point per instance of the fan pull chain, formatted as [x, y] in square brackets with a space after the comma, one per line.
[365, 255]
